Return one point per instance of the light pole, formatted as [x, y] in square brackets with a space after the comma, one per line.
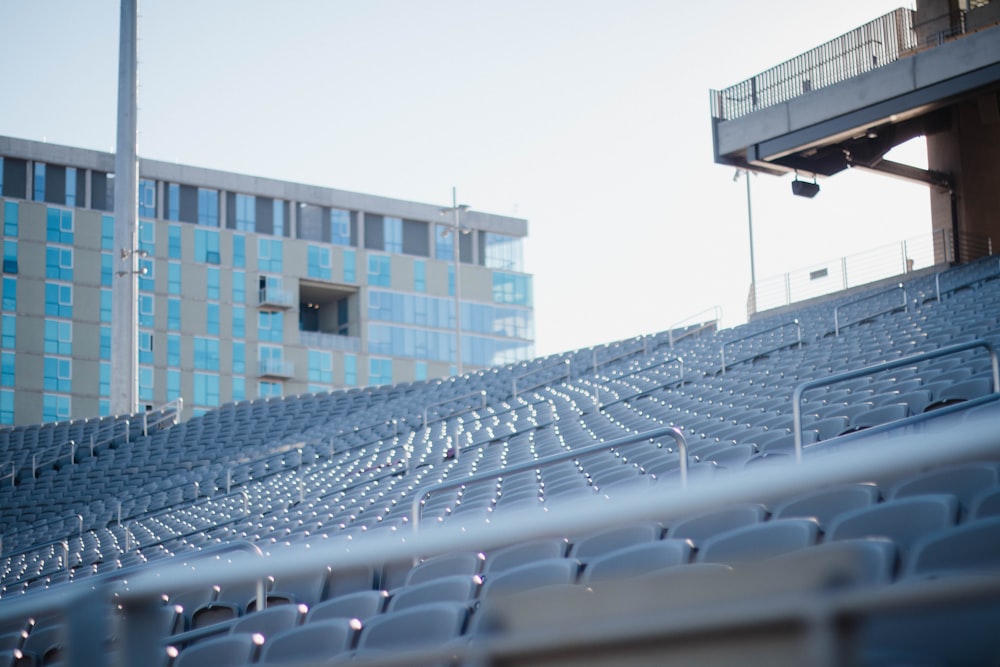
[753, 269]
[456, 231]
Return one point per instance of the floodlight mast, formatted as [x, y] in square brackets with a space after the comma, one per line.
[456, 230]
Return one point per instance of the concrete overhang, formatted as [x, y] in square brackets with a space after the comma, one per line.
[816, 132]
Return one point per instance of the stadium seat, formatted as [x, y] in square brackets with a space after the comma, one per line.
[703, 526]
[227, 651]
[825, 504]
[427, 625]
[759, 541]
[970, 547]
[524, 553]
[904, 520]
[314, 642]
[598, 544]
[638, 560]
[456, 588]
[531, 575]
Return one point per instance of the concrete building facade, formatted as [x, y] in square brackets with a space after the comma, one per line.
[249, 286]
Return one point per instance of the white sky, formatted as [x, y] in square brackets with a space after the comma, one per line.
[590, 118]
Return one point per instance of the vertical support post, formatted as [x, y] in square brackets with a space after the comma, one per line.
[261, 598]
[79, 518]
[902, 248]
[788, 289]
[843, 272]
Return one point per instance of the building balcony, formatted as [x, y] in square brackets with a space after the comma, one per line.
[318, 340]
[276, 368]
[270, 297]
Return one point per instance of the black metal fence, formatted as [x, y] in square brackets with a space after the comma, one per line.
[877, 43]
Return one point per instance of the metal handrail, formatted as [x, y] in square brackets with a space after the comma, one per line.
[836, 311]
[798, 342]
[481, 394]
[559, 362]
[878, 368]
[177, 405]
[715, 310]
[645, 392]
[652, 434]
[12, 474]
[960, 269]
[35, 464]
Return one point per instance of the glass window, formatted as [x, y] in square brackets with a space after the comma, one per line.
[502, 252]
[58, 374]
[107, 269]
[173, 201]
[39, 182]
[512, 288]
[320, 367]
[10, 294]
[246, 213]
[70, 186]
[104, 381]
[270, 326]
[107, 232]
[206, 389]
[105, 343]
[173, 277]
[420, 371]
[173, 314]
[7, 369]
[420, 275]
[145, 347]
[58, 263]
[147, 236]
[340, 227]
[379, 371]
[444, 243]
[349, 272]
[239, 388]
[379, 271]
[105, 305]
[239, 287]
[147, 198]
[8, 328]
[239, 357]
[206, 246]
[206, 353]
[174, 242]
[212, 284]
[318, 262]
[350, 370]
[7, 406]
[146, 311]
[58, 300]
[59, 337]
[269, 252]
[212, 319]
[278, 217]
[145, 383]
[173, 350]
[239, 322]
[59, 226]
[208, 207]
[55, 408]
[393, 230]
[11, 212]
[10, 256]
[266, 389]
[173, 384]
[147, 281]
[239, 251]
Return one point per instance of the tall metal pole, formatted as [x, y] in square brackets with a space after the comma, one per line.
[753, 268]
[124, 288]
[456, 237]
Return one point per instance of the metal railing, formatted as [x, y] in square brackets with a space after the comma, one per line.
[866, 48]
[329, 341]
[891, 308]
[877, 368]
[757, 353]
[965, 275]
[515, 388]
[38, 459]
[702, 326]
[168, 412]
[273, 296]
[653, 434]
[276, 368]
[476, 394]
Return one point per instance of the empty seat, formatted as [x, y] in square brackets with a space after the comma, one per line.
[424, 626]
[313, 642]
[532, 575]
[904, 520]
[825, 504]
[638, 559]
[863, 562]
[271, 621]
[971, 547]
[457, 588]
[612, 539]
[759, 541]
[523, 553]
[227, 651]
[707, 524]
[361, 605]
[468, 562]
[965, 482]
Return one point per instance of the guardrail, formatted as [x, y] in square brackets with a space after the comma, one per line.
[965, 280]
[561, 362]
[652, 434]
[715, 310]
[877, 368]
[481, 394]
[168, 412]
[36, 463]
[645, 392]
[722, 350]
[866, 316]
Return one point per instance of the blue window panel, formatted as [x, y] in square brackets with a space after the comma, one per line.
[350, 275]
[174, 278]
[11, 212]
[212, 284]
[206, 390]
[9, 299]
[379, 371]
[6, 406]
[451, 280]
[70, 186]
[1, 176]
[10, 256]
[173, 384]
[239, 251]
[59, 300]
[246, 213]
[320, 366]
[174, 242]
[269, 255]
[8, 325]
[58, 374]
[147, 281]
[239, 287]
[107, 232]
[340, 227]
[146, 347]
[270, 326]
[59, 226]
[239, 357]
[420, 371]
[39, 182]
[145, 383]
[444, 243]
[147, 236]
[173, 201]
[107, 269]
[239, 322]
[206, 246]
[266, 389]
[55, 408]
[350, 370]
[512, 288]
[208, 207]
[104, 388]
[7, 376]
[103, 407]
[106, 305]
[379, 271]
[212, 319]
[318, 262]
[420, 275]
[173, 350]
[146, 313]
[147, 198]
[239, 388]
[278, 217]
[58, 264]
[393, 234]
[59, 337]
[206, 354]
[106, 343]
